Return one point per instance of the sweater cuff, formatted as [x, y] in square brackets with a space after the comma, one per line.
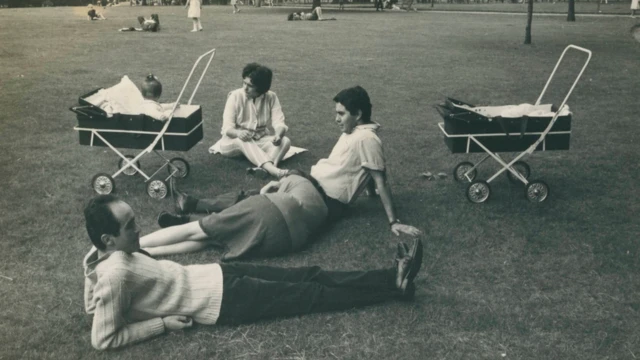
[156, 326]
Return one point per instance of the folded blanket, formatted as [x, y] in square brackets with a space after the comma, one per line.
[516, 111]
[123, 98]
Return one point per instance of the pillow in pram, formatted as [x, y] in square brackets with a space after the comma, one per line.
[123, 98]
[518, 111]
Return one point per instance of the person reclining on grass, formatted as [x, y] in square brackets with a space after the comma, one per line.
[94, 15]
[278, 220]
[151, 91]
[356, 162]
[152, 24]
[315, 15]
[134, 297]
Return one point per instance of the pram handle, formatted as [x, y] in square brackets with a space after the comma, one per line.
[211, 52]
[556, 68]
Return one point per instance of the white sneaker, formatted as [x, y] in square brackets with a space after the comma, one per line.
[194, 30]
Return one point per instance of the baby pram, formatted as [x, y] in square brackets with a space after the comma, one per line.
[180, 132]
[525, 129]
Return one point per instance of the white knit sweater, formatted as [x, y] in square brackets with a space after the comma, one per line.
[129, 294]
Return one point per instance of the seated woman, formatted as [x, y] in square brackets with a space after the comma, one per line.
[248, 115]
[152, 24]
[279, 220]
[315, 15]
[151, 91]
[94, 15]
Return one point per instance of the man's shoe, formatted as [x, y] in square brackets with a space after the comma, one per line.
[181, 200]
[409, 265]
[166, 219]
[258, 172]
[408, 293]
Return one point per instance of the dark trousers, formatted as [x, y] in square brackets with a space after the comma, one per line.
[253, 292]
[379, 5]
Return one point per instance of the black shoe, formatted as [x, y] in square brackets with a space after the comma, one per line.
[166, 219]
[182, 202]
[409, 265]
[258, 172]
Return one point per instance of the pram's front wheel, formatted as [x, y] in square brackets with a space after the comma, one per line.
[536, 191]
[103, 184]
[522, 168]
[157, 189]
[178, 167]
[463, 168]
[478, 191]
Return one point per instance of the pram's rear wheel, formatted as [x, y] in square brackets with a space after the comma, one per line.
[103, 184]
[521, 167]
[157, 189]
[536, 191]
[178, 167]
[130, 171]
[463, 168]
[478, 191]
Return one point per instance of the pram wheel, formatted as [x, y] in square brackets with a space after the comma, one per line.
[103, 184]
[157, 189]
[178, 167]
[478, 191]
[537, 191]
[521, 167]
[130, 171]
[463, 168]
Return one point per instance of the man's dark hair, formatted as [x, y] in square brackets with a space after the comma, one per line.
[100, 220]
[354, 99]
[260, 76]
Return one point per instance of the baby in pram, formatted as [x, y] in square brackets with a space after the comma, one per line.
[151, 91]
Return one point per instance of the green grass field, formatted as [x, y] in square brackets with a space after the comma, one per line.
[507, 279]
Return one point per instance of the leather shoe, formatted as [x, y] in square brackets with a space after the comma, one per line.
[408, 265]
[180, 199]
[166, 219]
[258, 172]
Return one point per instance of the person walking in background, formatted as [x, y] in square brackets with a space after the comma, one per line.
[634, 7]
[194, 13]
[234, 3]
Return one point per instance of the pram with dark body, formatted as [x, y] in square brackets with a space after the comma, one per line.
[180, 132]
[493, 129]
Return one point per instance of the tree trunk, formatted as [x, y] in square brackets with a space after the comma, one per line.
[527, 36]
[571, 15]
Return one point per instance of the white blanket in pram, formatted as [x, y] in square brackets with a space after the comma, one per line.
[123, 98]
[516, 111]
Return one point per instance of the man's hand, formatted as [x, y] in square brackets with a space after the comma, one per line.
[276, 140]
[245, 135]
[177, 322]
[398, 228]
[272, 186]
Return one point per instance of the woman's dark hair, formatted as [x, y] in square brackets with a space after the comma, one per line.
[100, 220]
[151, 87]
[354, 99]
[260, 76]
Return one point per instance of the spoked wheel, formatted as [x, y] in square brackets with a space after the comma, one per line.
[463, 168]
[103, 184]
[537, 191]
[178, 167]
[157, 189]
[521, 167]
[130, 171]
[478, 191]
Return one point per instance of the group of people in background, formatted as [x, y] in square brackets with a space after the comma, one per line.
[134, 297]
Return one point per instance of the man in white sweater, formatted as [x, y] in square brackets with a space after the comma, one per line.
[134, 297]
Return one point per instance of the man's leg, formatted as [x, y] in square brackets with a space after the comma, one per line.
[248, 299]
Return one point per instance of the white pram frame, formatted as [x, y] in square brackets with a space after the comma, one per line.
[479, 191]
[103, 183]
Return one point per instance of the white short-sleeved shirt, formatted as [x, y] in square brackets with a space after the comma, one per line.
[155, 110]
[345, 172]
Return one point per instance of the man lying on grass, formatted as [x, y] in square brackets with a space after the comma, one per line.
[133, 297]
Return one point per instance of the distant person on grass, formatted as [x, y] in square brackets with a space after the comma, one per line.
[315, 15]
[134, 297]
[94, 15]
[151, 24]
[195, 7]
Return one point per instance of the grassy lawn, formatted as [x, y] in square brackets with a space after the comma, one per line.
[503, 280]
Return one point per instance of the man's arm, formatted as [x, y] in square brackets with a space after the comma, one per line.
[387, 203]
